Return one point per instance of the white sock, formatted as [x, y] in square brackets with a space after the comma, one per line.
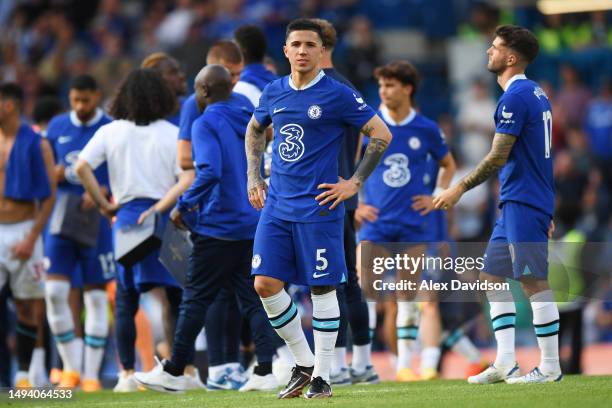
[285, 319]
[546, 324]
[325, 324]
[96, 331]
[430, 356]
[284, 355]
[503, 318]
[36, 372]
[339, 360]
[407, 330]
[371, 317]
[467, 349]
[362, 357]
[61, 324]
[215, 372]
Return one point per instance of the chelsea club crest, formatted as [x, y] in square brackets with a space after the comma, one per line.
[314, 112]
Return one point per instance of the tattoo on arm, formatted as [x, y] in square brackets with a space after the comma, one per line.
[367, 130]
[255, 144]
[371, 157]
[497, 157]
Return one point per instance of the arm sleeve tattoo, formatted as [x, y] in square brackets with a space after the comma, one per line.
[255, 144]
[497, 157]
[371, 157]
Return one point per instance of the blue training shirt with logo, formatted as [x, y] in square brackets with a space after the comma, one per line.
[404, 171]
[309, 124]
[527, 177]
[68, 136]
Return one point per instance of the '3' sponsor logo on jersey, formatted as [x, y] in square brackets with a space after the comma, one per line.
[398, 173]
[292, 149]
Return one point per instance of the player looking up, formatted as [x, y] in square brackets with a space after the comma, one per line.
[299, 237]
[518, 249]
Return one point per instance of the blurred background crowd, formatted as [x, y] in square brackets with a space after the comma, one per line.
[46, 43]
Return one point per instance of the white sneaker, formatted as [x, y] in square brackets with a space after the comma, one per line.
[159, 380]
[194, 382]
[493, 375]
[535, 376]
[260, 383]
[126, 383]
[282, 370]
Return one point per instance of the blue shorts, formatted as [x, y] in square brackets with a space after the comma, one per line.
[309, 254]
[384, 231]
[519, 244]
[148, 272]
[82, 264]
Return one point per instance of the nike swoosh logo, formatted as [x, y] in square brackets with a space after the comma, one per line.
[64, 139]
[318, 275]
[276, 110]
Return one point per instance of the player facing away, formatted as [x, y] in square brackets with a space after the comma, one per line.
[74, 266]
[27, 193]
[398, 202]
[299, 235]
[517, 249]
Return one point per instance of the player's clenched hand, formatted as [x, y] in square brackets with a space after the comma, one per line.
[366, 212]
[177, 219]
[24, 249]
[448, 198]
[109, 210]
[340, 191]
[87, 203]
[257, 191]
[422, 203]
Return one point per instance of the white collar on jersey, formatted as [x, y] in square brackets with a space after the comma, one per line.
[387, 117]
[76, 122]
[514, 78]
[314, 81]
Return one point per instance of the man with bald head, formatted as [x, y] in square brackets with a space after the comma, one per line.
[222, 239]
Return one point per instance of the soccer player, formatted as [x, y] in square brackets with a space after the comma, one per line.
[254, 76]
[27, 193]
[223, 241]
[521, 151]
[72, 264]
[170, 70]
[223, 322]
[398, 201]
[300, 232]
[353, 308]
[139, 148]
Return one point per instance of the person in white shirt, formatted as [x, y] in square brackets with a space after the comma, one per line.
[139, 147]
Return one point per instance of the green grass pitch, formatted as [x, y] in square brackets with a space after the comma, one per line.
[573, 391]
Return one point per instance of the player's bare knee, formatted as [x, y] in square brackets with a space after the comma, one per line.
[266, 287]
[531, 286]
[321, 290]
[25, 311]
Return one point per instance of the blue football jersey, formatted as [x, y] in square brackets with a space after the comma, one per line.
[308, 128]
[404, 170]
[527, 177]
[68, 136]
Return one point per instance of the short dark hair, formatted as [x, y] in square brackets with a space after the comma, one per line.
[10, 90]
[403, 71]
[46, 107]
[143, 97]
[252, 42]
[520, 40]
[304, 24]
[330, 38]
[225, 50]
[84, 83]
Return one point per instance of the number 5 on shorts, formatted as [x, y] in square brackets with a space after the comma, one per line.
[322, 259]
